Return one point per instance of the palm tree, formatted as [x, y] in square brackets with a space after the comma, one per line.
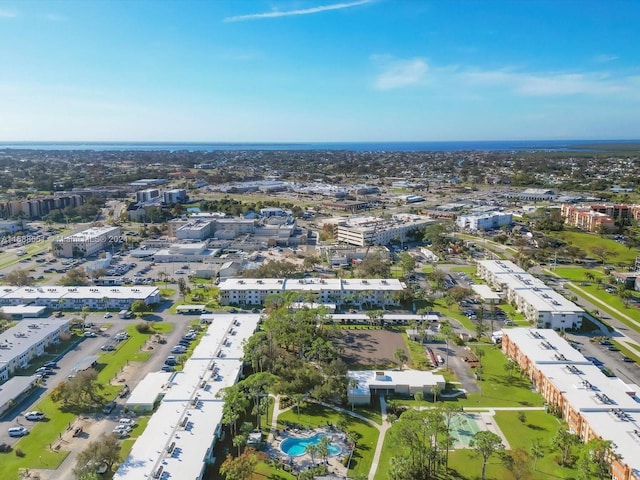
[353, 384]
[435, 389]
[313, 450]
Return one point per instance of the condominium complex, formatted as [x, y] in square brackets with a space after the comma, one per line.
[74, 298]
[539, 303]
[87, 242]
[180, 438]
[38, 206]
[593, 405]
[26, 341]
[367, 230]
[336, 291]
[598, 217]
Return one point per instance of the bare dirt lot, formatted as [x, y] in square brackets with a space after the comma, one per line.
[371, 348]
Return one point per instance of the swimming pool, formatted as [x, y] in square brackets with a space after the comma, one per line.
[296, 446]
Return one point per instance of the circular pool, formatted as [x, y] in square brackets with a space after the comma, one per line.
[296, 446]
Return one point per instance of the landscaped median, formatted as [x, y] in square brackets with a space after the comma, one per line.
[42, 447]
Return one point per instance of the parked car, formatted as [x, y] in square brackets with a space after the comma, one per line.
[127, 421]
[34, 416]
[17, 431]
[107, 315]
[108, 408]
[170, 361]
[50, 365]
[167, 368]
[627, 359]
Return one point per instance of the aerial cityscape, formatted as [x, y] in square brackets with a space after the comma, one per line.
[319, 240]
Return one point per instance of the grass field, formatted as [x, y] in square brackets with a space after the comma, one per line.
[618, 253]
[417, 355]
[314, 415]
[577, 274]
[498, 388]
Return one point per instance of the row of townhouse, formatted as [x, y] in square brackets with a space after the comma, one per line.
[75, 298]
[26, 341]
[337, 291]
[538, 302]
[592, 404]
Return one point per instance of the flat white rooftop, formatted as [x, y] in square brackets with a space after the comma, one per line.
[18, 340]
[147, 391]
[181, 433]
[390, 379]
[544, 346]
[485, 293]
[588, 389]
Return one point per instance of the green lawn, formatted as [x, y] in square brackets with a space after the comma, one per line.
[464, 465]
[417, 355]
[608, 300]
[619, 253]
[314, 415]
[577, 274]
[498, 389]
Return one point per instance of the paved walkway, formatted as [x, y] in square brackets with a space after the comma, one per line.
[382, 429]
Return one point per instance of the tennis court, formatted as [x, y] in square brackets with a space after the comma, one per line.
[463, 427]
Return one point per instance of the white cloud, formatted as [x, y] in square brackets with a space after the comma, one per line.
[551, 84]
[7, 13]
[400, 73]
[290, 13]
[604, 58]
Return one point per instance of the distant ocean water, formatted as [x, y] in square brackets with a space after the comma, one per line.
[497, 145]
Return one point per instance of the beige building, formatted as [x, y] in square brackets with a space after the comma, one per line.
[87, 242]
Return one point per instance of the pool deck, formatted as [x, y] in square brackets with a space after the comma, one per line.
[304, 462]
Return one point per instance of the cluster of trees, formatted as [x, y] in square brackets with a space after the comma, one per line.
[80, 392]
[103, 451]
[233, 207]
[87, 212]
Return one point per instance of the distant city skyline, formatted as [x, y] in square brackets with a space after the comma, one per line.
[319, 70]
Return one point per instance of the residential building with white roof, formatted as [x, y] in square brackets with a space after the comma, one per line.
[254, 291]
[180, 437]
[27, 340]
[593, 405]
[538, 302]
[74, 298]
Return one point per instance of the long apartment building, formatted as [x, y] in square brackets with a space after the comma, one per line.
[74, 298]
[180, 439]
[600, 216]
[367, 230]
[86, 242]
[26, 341]
[592, 404]
[336, 291]
[39, 206]
[538, 302]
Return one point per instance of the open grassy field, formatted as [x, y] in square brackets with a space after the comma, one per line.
[314, 415]
[610, 302]
[417, 356]
[618, 253]
[577, 274]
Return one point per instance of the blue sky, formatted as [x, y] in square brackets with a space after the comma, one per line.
[319, 70]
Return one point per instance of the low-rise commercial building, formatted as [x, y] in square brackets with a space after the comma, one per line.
[484, 220]
[366, 230]
[372, 383]
[87, 242]
[592, 404]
